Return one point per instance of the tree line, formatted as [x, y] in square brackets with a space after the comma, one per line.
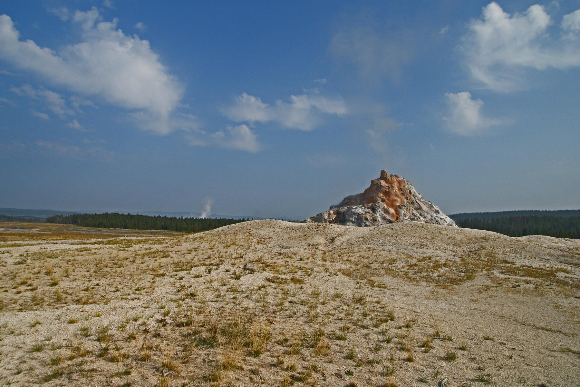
[507, 214]
[28, 219]
[563, 225]
[142, 222]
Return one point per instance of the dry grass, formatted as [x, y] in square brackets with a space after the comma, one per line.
[274, 303]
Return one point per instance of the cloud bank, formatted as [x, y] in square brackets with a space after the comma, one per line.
[499, 45]
[303, 112]
[120, 69]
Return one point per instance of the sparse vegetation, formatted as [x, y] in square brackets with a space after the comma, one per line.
[249, 307]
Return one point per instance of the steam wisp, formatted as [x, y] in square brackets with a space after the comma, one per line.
[206, 208]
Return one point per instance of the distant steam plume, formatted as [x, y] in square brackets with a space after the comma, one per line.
[207, 207]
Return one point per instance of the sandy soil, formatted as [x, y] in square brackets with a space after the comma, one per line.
[274, 303]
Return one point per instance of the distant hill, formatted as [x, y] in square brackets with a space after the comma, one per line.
[40, 215]
[31, 214]
[561, 223]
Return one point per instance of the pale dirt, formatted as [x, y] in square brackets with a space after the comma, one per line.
[274, 303]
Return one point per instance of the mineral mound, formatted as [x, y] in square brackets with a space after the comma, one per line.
[389, 199]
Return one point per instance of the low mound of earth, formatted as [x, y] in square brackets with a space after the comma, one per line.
[389, 199]
[275, 303]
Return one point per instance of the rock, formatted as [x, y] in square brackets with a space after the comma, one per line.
[389, 199]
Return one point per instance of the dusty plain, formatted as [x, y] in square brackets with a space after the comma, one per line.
[274, 303]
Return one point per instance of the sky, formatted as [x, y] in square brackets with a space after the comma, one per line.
[280, 109]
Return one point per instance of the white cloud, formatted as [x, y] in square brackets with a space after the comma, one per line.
[444, 30]
[571, 23]
[42, 116]
[106, 63]
[466, 118]
[88, 19]
[303, 112]
[141, 26]
[249, 108]
[108, 3]
[500, 45]
[239, 137]
[54, 101]
[74, 124]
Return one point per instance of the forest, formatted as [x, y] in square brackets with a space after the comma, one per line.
[11, 218]
[560, 224]
[142, 222]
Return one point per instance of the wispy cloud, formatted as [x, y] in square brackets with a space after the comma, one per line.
[382, 125]
[302, 112]
[465, 115]
[53, 101]
[74, 152]
[12, 149]
[67, 151]
[141, 27]
[239, 137]
[7, 102]
[77, 101]
[42, 116]
[119, 69]
[74, 124]
[374, 121]
[62, 12]
[499, 45]
[368, 45]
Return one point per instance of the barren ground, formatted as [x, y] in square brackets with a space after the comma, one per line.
[274, 303]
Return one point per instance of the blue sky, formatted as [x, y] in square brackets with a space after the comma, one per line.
[273, 109]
